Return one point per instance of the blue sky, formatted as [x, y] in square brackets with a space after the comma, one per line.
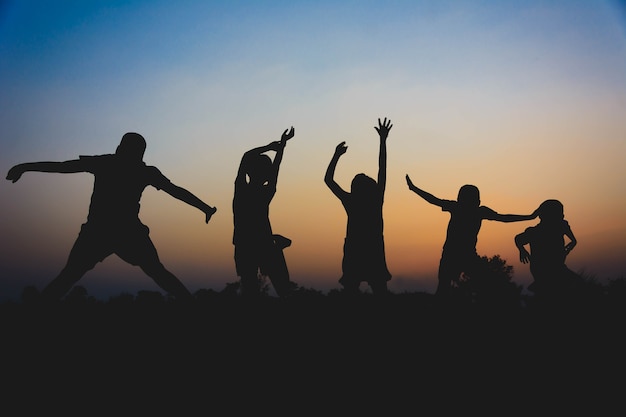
[524, 99]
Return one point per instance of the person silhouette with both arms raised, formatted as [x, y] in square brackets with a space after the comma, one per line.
[259, 251]
[113, 225]
[459, 256]
[548, 251]
[364, 247]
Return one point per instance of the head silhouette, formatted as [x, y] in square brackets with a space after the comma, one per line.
[259, 169]
[551, 210]
[469, 195]
[131, 147]
[363, 185]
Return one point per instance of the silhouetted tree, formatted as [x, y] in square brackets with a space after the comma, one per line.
[492, 284]
[231, 289]
[78, 295]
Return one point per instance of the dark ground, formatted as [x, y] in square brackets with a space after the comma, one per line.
[312, 351]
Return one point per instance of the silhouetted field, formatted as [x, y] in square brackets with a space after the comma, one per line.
[315, 347]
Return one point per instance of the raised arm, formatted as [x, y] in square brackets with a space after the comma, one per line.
[383, 131]
[186, 196]
[277, 146]
[287, 134]
[425, 195]
[329, 178]
[241, 172]
[65, 167]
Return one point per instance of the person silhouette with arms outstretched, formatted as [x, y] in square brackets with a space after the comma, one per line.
[459, 254]
[364, 248]
[258, 251]
[548, 251]
[113, 225]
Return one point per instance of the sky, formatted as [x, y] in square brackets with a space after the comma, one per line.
[524, 99]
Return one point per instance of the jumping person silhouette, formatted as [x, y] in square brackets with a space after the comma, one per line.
[113, 225]
[548, 251]
[364, 247]
[459, 250]
[257, 249]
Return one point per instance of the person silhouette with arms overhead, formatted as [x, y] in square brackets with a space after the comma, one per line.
[113, 225]
[258, 251]
[364, 247]
[459, 254]
[548, 251]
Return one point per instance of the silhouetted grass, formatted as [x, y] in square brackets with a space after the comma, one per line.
[313, 347]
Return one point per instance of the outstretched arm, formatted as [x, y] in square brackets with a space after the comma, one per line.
[383, 131]
[509, 218]
[425, 195]
[189, 198]
[66, 167]
[329, 178]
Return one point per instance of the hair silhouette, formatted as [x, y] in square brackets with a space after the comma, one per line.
[364, 247]
[113, 225]
[459, 254]
[258, 250]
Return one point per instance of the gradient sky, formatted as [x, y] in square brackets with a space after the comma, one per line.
[524, 99]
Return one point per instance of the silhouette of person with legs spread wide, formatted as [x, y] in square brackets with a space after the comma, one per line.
[113, 225]
[459, 250]
[258, 251]
[364, 247]
[548, 251]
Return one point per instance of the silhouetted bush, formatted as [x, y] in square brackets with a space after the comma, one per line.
[493, 286]
[492, 289]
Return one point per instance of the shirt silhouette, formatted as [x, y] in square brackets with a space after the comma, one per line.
[459, 254]
[113, 225]
[364, 247]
